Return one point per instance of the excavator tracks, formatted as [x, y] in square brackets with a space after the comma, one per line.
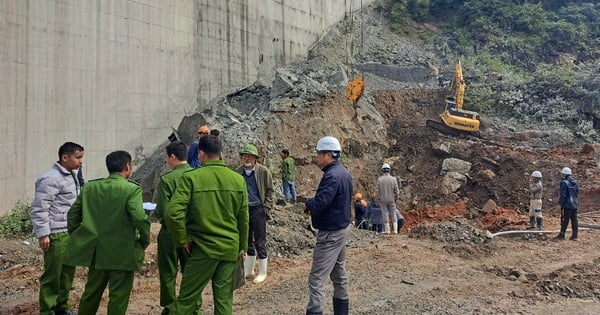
[455, 133]
[441, 127]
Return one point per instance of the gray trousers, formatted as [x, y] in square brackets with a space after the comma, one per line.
[388, 210]
[329, 260]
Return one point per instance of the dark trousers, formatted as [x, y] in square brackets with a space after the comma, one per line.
[569, 214]
[257, 233]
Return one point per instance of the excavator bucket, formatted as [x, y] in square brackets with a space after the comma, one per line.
[355, 89]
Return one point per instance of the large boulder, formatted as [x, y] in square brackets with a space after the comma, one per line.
[455, 173]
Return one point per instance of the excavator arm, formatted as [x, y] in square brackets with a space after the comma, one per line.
[457, 86]
[454, 118]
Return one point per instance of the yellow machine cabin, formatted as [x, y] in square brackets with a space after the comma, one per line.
[454, 116]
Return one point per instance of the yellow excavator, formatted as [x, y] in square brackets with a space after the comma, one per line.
[456, 120]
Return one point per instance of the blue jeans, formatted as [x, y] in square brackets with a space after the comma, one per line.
[289, 187]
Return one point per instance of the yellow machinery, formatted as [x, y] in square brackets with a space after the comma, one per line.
[454, 116]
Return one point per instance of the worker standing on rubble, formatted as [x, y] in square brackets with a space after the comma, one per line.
[330, 214]
[387, 190]
[288, 176]
[535, 200]
[169, 256]
[260, 201]
[192, 157]
[569, 192]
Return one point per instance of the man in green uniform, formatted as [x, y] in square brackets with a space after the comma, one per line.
[208, 216]
[168, 254]
[109, 231]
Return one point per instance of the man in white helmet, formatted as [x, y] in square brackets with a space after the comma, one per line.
[569, 192]
[535, 200]
[387, 190]
[330, 214]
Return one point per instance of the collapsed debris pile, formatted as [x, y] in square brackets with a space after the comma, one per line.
[453, 232]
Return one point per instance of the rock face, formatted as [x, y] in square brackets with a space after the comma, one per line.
[306, 101]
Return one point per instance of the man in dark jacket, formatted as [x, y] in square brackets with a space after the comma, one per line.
[330, 214]
[569, 192]
[192, 158]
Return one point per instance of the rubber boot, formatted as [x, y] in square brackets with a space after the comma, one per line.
[340, 307]
[539, 223]
[386, 228]
[262, 271]
[531, 223]
[395, 227]
[249, 266]
[575, 228]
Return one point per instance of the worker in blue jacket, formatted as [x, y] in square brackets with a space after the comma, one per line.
[330, 214]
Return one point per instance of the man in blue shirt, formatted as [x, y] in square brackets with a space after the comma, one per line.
[330, 214]
[192, 157]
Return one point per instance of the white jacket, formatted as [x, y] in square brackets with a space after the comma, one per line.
[55, 192]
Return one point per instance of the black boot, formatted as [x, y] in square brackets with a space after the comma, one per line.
[313, 313]
[539, 223]
[531, 223]
[560, 236]
[574, 227]
[400, 225]
[340, 307]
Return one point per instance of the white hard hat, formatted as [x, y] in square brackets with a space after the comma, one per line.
[329, 143]
[536, 174]
[566, 171]
[385, 166]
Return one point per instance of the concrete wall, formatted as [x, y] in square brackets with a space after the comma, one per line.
[118, 74]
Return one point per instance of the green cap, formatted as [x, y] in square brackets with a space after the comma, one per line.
[249, 149]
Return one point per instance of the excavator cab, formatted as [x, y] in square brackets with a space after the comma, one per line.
[460, 119]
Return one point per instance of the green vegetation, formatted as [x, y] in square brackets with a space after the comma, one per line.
[519, 33]
[17, 223]
[547, 52]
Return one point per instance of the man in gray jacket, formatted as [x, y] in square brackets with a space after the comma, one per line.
[55, 192]
[387, 190]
